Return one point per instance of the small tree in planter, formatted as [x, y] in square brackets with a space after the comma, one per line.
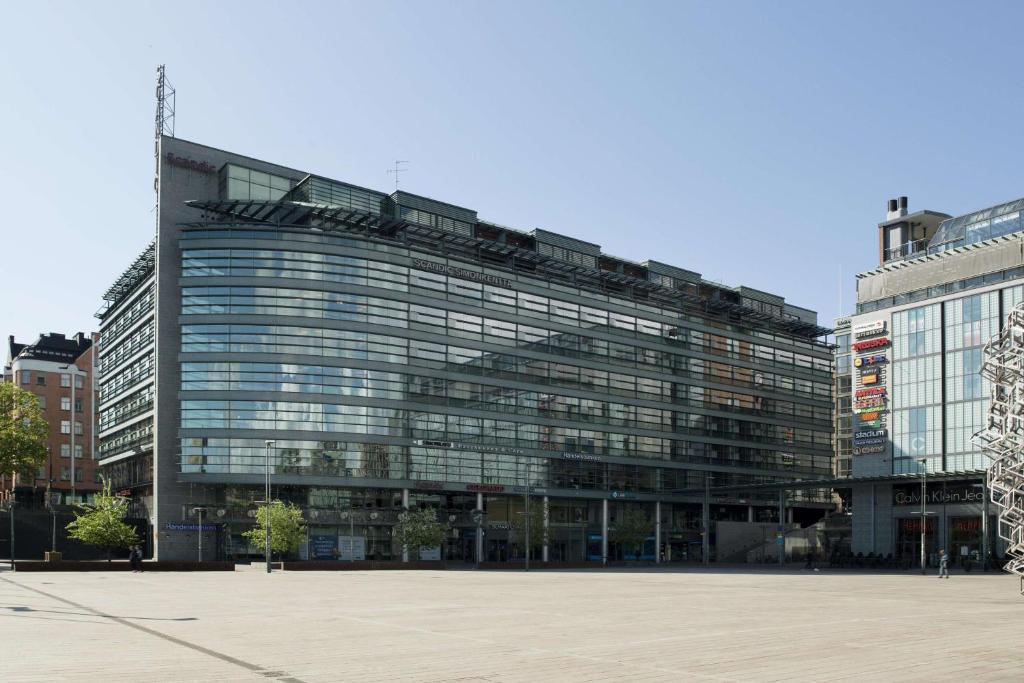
[631, 530]
[287, 528]
[101, 523]
[419, 530]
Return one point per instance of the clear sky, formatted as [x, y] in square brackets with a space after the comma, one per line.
[755, 143]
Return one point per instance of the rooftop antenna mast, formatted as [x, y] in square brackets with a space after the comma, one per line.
[164, 125]
[164, 104]
[397, 170]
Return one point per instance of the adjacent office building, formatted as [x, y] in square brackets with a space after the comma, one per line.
[400, 351]
[59, 371]
[943, 288]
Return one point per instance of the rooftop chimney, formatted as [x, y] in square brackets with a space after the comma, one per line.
[897, 208]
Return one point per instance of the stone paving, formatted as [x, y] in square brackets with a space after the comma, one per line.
[653, 625]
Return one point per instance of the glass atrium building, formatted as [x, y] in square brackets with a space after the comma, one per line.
[923, 318]
[400, 352]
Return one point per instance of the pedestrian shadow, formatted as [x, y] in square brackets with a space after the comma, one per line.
[23, 609]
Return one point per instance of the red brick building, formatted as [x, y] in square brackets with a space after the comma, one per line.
[58, 370]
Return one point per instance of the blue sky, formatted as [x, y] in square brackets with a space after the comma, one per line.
[755, 143]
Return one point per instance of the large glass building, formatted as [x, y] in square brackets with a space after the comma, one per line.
[399, 351]
[923, 317]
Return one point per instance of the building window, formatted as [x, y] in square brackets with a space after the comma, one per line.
[65, 473]
[79, 381]
[65, 403]
[65, 380]
[41, 472]
[78, 405]
[78, 428]
[26, 377]
[65, 450]
[40, 379]
[79, 475]
[78, 451]
[65, 426]
[42, 402]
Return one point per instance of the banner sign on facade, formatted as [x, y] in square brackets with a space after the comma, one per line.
[871, 344]
[868, 329]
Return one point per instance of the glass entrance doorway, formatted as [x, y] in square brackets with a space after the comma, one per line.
[908, 541]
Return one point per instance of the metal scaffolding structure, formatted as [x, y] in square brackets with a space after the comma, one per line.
[1002, 440]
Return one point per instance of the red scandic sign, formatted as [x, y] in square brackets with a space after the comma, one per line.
[191, 164]
[871, 344]
[870, 391]
[485, 488]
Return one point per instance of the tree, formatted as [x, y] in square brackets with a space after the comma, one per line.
[102, 524]
[420, 529]
[631, 530]
[287, 528]
[536, 524]
[23, 431]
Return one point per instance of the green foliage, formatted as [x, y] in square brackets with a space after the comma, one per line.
[420, 529]
[631, 530]
[101, 523]
[23, 431]
[287, 527]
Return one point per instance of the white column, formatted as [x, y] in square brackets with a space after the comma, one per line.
[480, 530]
[604, 531]
[544, 548]
[657, 532]
[405, 506]
[750, 513]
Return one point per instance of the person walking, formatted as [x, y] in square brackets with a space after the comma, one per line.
[135, 559]
[943, 564]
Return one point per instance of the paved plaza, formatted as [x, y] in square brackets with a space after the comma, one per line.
[465, 626]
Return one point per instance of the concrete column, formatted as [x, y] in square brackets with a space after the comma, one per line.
[750, 513]
[984, 525]
[789, 515]
[604, 531]
[544, 548]
[480, 530]
[781, 547]
[657, 532]
[405, 506]
[706, 523]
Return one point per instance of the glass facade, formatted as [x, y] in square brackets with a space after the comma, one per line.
[375, 365]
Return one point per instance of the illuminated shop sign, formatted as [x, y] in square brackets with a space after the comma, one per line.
[871, 344]
[868, 442]
[873, 410]
[461, 273]
[869, 379]
[870, 401]
[861, 361]
[872, 391]
[456, 446]
[581, 456]
[485, 488]
[871, 433]
[950, 495]
[867, 417]
[868, 329]
[867, 450]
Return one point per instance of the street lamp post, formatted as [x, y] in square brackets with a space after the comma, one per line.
[10, 509]
[270, 443]
[924, 512]
[199, 511]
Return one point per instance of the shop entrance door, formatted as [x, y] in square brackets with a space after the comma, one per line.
[908, 541]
